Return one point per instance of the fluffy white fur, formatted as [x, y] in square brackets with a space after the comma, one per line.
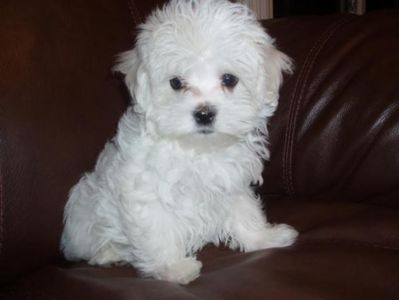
[163, 187]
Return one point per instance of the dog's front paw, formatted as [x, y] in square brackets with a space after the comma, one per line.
[275, 236]
[280, 235]
[182, 272]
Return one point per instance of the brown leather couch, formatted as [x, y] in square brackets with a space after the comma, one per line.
[333, 174]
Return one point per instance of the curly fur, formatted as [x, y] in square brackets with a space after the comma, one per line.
[162, 188]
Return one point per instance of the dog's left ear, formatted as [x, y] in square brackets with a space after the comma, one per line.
[274, 64]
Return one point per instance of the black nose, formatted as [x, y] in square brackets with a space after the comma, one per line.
[204, 115]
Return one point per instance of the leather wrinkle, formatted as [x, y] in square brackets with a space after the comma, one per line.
[295, 103]
[366, 150]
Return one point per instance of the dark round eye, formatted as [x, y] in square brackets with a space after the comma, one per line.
[229, 80]
[176, 83]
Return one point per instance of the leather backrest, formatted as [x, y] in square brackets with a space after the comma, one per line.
[335, 135]
[58, 106]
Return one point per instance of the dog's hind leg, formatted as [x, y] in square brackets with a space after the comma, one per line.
[107, 255]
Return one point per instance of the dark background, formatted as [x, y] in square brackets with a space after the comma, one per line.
[284, 8]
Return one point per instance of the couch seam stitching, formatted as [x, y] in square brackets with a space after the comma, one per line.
[299, 89]
[290, 117]
[294, 109]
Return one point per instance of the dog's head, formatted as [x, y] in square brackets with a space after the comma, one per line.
[203, 68]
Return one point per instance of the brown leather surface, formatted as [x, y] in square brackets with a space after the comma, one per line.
[333, 172]
[346, 251]
[335, 135]
[58, 106]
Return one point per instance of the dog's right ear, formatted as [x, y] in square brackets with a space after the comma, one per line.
[136, 79]
[127, 63]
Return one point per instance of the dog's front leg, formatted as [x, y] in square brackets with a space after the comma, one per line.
[157, 243]
[249, 229]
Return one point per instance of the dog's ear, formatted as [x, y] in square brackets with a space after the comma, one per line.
[129, 64]
[274, 64]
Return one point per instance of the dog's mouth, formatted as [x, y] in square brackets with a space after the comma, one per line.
[205, 130]
[207, 140]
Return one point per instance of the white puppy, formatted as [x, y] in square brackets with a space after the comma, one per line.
[204, 77]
